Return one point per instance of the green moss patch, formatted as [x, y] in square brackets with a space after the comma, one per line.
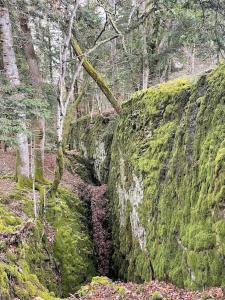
[54, 258]
[72, 248]
[172, 137]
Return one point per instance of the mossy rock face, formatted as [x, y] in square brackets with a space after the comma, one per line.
[92, 139]
[73, 248]
[167, 183]
[25, 265]
[77, 164]
[54, 258]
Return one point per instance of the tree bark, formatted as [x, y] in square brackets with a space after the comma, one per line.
[95, 75]
[11, 70]
[9, 58]
[145, 59]
[70, 115]
[36, 78]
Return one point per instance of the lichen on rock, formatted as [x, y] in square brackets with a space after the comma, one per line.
[134, 194]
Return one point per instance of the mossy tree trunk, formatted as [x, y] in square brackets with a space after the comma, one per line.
[64, 98]
[59, 168]
[95, 75]
[70, 115]
[63, 129]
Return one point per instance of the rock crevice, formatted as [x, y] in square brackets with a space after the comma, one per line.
[164, 165]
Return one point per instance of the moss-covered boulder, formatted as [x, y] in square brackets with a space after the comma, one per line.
[92, 139]
[167, 183]
[48, 257]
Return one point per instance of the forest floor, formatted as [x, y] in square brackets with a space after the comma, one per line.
[104, 288]
[8, 167]
[153, 290]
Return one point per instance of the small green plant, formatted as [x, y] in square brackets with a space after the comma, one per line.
[120, 290]
[103, 280]
[156, 296]
[85, 290]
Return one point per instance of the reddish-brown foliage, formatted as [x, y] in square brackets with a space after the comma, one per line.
[101, 236]
[132, 291]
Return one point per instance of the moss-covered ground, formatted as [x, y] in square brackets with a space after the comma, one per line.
[54, 257]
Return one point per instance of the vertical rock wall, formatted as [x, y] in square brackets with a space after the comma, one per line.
[92, 138]
[166, 180]
[167, 183]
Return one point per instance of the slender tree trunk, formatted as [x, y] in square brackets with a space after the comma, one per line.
[50, 52]
[59, 166]
[63, 101]
[39, 142]
[36, 78]
[9, 58]
[95, 75]
[193, 60]
[71, 114]
[145, 58]
[64, 97]
[11, 70]
[23, 160]
[153, 37]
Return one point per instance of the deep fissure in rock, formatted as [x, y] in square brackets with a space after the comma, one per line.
[94, 195]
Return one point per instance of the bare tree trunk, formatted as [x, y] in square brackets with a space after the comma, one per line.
[193, 60]
[64, 96]
[9, 58]
[33, 177]
[50, 52]
[11, 70]
[63, 101]
[145, 59]
[39, 124]
[23, 159]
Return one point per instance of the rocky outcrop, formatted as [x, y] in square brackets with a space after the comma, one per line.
[92, 138]
[167, 181]
[168, 155]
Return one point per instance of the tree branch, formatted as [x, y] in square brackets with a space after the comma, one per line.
[93, 72]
